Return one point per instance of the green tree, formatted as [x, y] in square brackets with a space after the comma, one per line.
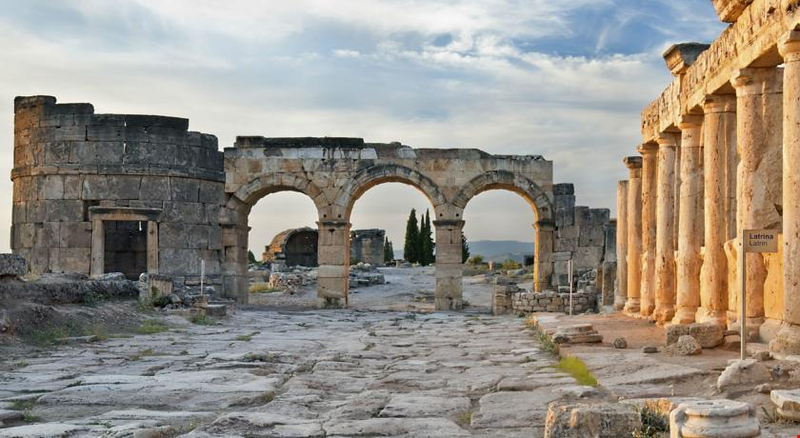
[464, 248]
[411, 249]
[426, 241]
[388, 250]
[251, 258]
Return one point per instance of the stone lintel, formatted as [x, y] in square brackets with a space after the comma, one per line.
[679, 57]
[730, 10]
[789, 44]
[633, 162]
[124, 214]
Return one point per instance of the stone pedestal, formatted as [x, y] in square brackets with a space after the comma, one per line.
[333, 253]
[719, 136]
[714, 419]
[449, 265]
[690, 222]
[632, 303]
[665, 218]
[788, 338]
[649, 153]
[759, 137]
[787, 403]
[621, 290]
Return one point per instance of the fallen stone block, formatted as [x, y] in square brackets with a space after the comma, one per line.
[604, 420]
[787, 402]
[620, 343]
[741, 372]
[732, 343]
[686, 346]
[577, 334]
[709, 335]
[216, 310]
[12, 266]
[649, 349]
[714, 418]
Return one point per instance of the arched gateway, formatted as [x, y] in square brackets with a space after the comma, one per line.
[79, 177]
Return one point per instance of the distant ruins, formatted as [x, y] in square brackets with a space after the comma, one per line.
[720, 154]
[298, 247]
[95, 193]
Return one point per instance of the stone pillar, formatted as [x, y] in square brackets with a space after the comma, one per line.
[788, 338]
[621, 291]
[543, 256]
[665, 229]
[634, 259]
[690, 222]
[649, 153]
[718, 138]
[152, 247]
[449, 265]
[333, 254]
[759, 110]
[98, 248]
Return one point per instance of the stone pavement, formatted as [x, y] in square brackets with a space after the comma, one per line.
[271, 373]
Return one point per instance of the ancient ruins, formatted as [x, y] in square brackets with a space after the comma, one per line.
[718, 156]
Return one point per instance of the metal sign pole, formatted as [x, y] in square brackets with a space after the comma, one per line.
[202, 276]
[569, 265]
[743, 296]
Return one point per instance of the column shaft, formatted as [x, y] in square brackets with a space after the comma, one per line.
[621, 291]
[98, 248]
[649, 153]
[333, 254]
[152, 247]
[665, 229]
[449, 265]
[543, 255]
[718, 138]
[632, 304]
[759, 102]
[690, 224]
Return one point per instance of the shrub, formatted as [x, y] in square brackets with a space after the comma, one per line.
[509, 265]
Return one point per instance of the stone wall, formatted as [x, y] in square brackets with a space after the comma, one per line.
[67, 160]
[367, 246]
[508, 297]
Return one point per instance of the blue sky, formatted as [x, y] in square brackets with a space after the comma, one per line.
[564, 79]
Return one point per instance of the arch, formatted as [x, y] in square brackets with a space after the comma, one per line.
[373, 176]
[505, 180]
[248, 194]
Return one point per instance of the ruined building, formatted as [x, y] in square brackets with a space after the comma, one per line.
[720, 154]
[367, 246]
[298, 247]
[96, 193]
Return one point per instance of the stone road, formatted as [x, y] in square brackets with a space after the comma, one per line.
[268, 373]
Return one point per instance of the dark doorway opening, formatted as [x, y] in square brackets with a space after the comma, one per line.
[126, 248]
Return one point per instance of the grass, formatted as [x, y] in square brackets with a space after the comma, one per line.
[246, 338]
[464, 418]
[46, 336]
[28, 417]
[654, 424]
[577, 369]
[202, 319]
[152, 326]
[261, 288]
[541, 336]
[22, 405]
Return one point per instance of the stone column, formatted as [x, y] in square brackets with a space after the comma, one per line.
[788, 338]
[690, 222]
[333, 254]
[718, 138]
[449, 265]
[98, 248]
[622, 246]
[152, 247]
[759, 110]
[634, 258]
[649, 153]
[543, 263]
[665, 229]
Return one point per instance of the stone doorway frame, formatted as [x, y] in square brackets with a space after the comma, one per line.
[98, 215]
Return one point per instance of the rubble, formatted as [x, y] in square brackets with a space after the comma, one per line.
[12, 267]
[739, 372]
[685, 346]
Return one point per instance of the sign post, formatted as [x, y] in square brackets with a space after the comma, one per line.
[569, 266]
[757, 241]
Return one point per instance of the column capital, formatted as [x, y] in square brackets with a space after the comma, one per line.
[647, 148]
[667, 140]
[455, 223]
[544, 225]
[690, 121]
[719, 103]
[333, 224]
[757, 80]
[789, 45]
[633, 162]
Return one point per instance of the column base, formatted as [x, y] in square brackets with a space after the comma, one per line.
[632, 306]
[619, 304]
[788, 340]
[710, 316]
[330, 303]
[684, 315]
[753, 325]
[664, 314]
[646, 309]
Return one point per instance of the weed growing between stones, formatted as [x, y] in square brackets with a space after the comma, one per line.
[464, 418]
[201, 319]
[47, 335]
[22, 405]
[152, 326]
[577, 369]
[541, 336]
[654, 424]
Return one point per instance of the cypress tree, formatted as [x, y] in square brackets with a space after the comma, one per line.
[388, 250]
[464, 248]
[411, 246]
[426, 239]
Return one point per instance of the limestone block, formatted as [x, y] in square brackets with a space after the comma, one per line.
[70, 259]
[714, 419]
[184, 212]
[577, 334]
[154, 188]
[709, 335]
[606, 420]
[588, 257]
[685, 346]
[212, 192]
[64, 210]
[184, 189]
[739, 372]
[75, 235]
[110, 187]
[53, 187]
[787, 403]
[72, 187]
[12, 265]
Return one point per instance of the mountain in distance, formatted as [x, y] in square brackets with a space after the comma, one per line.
[494, 250]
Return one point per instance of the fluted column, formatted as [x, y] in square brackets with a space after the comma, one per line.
[719, 136]
[634, 165]
[690, 224]
[621, 292]
[333, 255]
[759, 110]
[649, 153]
[449, 265]
[788, 339]
[665, 229]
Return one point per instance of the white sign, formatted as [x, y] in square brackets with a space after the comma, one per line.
[761, 240]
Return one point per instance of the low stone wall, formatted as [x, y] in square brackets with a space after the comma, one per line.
[510, 297]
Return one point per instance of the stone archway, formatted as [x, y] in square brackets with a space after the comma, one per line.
[539, 201]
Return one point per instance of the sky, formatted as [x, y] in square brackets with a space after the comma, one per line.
[562, 79]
